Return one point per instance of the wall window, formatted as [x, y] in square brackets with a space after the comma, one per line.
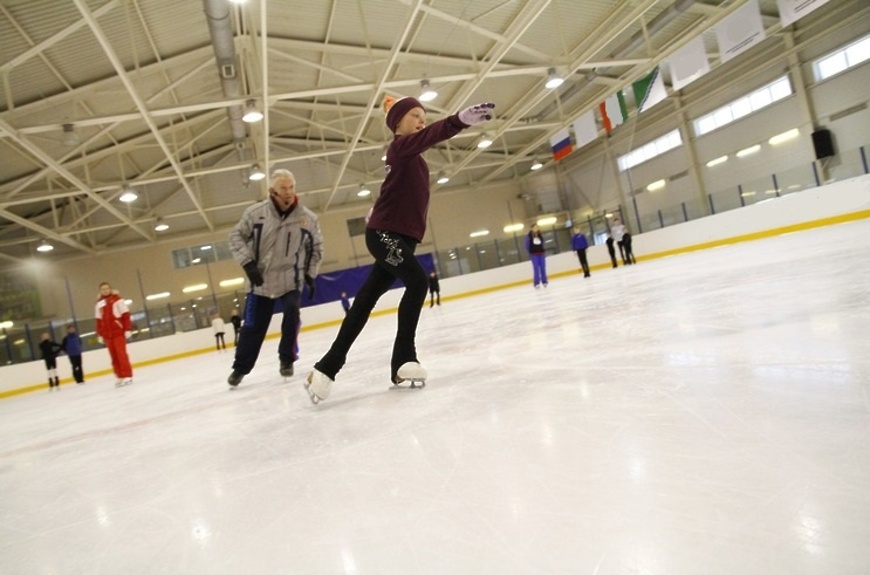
[201, 254]
[743, 106]
[650, 150]
[842, 59]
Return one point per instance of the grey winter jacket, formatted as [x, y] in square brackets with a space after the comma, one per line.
[286, 250]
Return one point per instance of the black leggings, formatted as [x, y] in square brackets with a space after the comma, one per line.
[394, 259]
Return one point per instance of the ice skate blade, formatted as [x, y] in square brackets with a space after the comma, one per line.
[415, 384]
[324, 384]
[311, 395]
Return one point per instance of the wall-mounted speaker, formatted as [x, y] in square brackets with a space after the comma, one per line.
[823, 144]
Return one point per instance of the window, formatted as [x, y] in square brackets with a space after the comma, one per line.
[842, 59]
[650, 150]
[201, 254]
[743, 106]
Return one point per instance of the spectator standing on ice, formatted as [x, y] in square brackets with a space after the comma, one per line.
[538, 256]
[113, 330]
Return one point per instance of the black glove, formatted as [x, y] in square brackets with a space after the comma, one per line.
[253, 273]
[309, 281]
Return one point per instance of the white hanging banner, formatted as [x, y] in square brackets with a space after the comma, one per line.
[791, 10]
[688, 63]
[585, 130]
[739, 31]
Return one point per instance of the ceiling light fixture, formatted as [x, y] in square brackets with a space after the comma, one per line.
[554, 80]
[748, 151]
[364, 191]
[442, 178]
[160, 226]
[252, 113]
[70, 138]
[44, 246]
[427, 94]
[485, 141]
[656, 185]
[256, 173]
[536, 165]
[128, 195]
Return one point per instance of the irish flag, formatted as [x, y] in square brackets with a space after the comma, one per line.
[613, 111]
[560, 142]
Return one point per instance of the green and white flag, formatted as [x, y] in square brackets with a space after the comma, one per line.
[649, 90]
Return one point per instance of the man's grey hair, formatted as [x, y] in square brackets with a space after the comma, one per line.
[281, 173]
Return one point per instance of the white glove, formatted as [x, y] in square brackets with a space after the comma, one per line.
[100, 339]
[128, 334]
[476, 114]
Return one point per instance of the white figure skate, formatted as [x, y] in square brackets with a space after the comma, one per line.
[317, 385]
[412, 372]
[124, 381]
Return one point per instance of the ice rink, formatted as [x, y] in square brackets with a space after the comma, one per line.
[705, 413]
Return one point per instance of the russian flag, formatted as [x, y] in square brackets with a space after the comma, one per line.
[561, 144]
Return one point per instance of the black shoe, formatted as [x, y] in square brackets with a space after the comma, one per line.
[235, 378]
[286, 369]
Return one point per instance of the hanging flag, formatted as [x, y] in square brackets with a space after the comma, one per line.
[560, 142]
[649, 91]
[585, 130]
[739, 31]
[613, 111]
[791, 10]
[689, 63]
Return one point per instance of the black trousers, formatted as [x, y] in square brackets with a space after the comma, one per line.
[258, 314]
[584, 263]
[76, 362]
[394, 259]
[629, 254]
[612, 252]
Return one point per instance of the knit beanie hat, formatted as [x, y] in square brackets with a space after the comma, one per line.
[399, 108]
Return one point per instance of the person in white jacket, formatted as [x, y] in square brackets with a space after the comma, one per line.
[279, 245]
[219, 327]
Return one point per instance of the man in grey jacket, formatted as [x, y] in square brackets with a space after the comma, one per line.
[279, 245]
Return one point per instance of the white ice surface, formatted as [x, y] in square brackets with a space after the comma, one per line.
[706, 413]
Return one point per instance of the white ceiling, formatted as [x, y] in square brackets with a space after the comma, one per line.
[140, 83]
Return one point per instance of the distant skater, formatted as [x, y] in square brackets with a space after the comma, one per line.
[538, 255]
[219, 327]
[626, 245]
[579, 243]
[113, 330]
[236, 320]
[434, 289]
[618, 232]
[72, 346]
[50, 349]
[611, 250]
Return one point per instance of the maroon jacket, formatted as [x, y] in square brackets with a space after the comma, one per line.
[404, 200]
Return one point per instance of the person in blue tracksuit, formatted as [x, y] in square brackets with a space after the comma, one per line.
[538, 255]
[72, 346]
[579, 243]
